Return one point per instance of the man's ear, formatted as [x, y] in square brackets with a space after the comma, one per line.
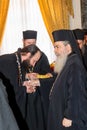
[68, 48]
[28, 54]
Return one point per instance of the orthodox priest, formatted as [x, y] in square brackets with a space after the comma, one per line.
[46, 77]
[13, 68]
[79, 35]
[68, 96]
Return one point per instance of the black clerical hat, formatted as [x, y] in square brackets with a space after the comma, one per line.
[85, 31]
[66, 35]
[79, 34]
[29, 34]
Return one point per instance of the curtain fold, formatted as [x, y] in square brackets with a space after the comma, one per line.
[55, 14]
[4, 5]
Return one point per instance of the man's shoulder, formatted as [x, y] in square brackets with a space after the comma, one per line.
[44, 55]
[7, 58]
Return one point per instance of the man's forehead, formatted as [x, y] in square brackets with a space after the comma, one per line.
[30, 39]
[58, 43]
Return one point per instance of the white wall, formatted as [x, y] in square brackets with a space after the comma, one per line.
[76, 21]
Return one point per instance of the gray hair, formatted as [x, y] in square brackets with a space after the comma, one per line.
[66, 42]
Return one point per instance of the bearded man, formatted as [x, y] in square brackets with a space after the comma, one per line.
[12, 72]
[68, 96]
[46, 79]
[79, 36]
[61, 60]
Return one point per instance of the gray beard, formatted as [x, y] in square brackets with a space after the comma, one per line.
[83, 50]
[60, 63]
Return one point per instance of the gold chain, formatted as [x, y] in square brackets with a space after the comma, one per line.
[19, 70]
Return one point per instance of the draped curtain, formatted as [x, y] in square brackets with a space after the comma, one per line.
[4, 5]
[26, 14]
[55, 14]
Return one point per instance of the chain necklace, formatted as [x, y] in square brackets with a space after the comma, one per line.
[19, 70]
[53, 87]
[30, 69]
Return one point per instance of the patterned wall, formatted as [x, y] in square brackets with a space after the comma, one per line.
[84, 13]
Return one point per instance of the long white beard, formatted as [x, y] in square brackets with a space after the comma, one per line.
[60, 63]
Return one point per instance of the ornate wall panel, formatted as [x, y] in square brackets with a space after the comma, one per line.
[84, 13]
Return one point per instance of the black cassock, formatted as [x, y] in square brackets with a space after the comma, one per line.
[16, 93]
[84, 56]
[40, 110]
[68, 97]
[30, 110]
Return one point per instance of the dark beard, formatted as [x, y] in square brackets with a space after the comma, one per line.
[25, 65]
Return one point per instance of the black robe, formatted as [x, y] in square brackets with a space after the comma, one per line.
[84, 56]
[68, 97]
[40, 110]
[30, 110]
[16, 93]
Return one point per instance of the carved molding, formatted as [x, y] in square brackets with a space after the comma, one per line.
[84, 13]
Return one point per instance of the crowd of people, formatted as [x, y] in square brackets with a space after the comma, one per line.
[35, 97]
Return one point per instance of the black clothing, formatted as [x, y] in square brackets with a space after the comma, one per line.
[84, 56]
[42, 66]
[28, 108]
[42, 94]
[16, 93]
[68, 97]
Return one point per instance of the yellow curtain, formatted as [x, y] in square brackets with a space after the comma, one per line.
[4, 4]
[55, 14]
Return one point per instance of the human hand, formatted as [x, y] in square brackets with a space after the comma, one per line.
[34, 82]
[29, 87]
[66, 122]
[31, 76]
